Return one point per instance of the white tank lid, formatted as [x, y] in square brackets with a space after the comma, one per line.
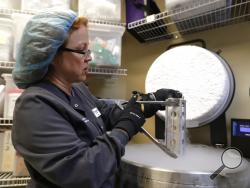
[202, 76]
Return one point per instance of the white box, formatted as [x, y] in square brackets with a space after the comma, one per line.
[10, 4]
[9, 104]
[7, 152]
[20, 169]
[40, 5]
[6, 39]
[105, 44]
[101, 9]
[2, 96]
[11, 95]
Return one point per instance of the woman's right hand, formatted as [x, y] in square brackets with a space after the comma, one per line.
[131, 118]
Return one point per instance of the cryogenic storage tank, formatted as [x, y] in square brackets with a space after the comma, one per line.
[147, 166]
[207, 84]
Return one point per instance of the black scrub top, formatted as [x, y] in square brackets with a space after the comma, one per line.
[63, 138]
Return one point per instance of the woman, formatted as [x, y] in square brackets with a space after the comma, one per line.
[60, 128]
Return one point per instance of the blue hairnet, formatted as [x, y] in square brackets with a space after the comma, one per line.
[42, 36]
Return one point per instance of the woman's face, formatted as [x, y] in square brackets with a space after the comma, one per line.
[73, 67]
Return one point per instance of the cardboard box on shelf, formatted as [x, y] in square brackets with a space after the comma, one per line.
[20, 169]
[7, 152]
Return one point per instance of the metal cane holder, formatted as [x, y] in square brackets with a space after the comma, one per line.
[175, 125]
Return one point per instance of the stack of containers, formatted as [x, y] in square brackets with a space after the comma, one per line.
[11, 95]
[7, 152]
[40, 5]
[105, 39]
[105, 44]
[6, 39]
[2, 95]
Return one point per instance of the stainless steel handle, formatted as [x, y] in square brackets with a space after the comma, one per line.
[156, 142]
[174, 101]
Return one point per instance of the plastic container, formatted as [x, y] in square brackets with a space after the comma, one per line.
[7, 152]
[105, 44]
[20, 169]
[20, 21]
[10, 4]
[2, 95]
[6, 39]
[11, 95]
[101, 9]
[39, 5]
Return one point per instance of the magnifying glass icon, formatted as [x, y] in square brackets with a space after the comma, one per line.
[231, 158]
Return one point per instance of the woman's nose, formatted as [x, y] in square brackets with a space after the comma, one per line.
[88, 58]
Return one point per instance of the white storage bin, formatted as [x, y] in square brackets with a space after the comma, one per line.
[105, 44]
[10, 4]
[6, 39]
[40, 5]
[20, 21]
[11, 95]
[101, 9]
[2, 95]
[7, 152]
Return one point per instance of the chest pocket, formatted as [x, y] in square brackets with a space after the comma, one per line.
[87, 108]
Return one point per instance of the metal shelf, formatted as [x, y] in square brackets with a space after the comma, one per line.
[7, 65]
[107, 71]
[7, 180]
[92, 70]
[8, 12]
[105, 22]
[11, 11]
[4, 122]
[178, 22]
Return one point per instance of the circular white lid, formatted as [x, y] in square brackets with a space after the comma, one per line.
[203, 77]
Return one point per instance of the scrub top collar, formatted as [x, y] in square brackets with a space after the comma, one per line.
[73, 100]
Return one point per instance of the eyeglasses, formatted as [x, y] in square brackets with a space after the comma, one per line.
[85, 53]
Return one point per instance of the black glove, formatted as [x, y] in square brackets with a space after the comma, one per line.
[132, 118]
[159, 95]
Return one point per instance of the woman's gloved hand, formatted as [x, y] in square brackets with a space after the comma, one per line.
[131, 118]
[159, 95]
